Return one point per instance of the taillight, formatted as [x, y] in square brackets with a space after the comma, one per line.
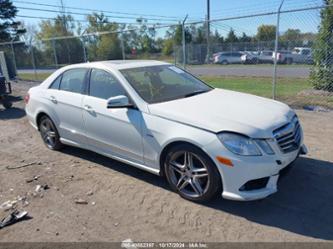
[26, 98]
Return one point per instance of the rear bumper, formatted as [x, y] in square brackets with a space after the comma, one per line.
[31, 118]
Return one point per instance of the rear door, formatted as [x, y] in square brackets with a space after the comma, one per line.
[117, 132]
[66, 102]
[236, 57]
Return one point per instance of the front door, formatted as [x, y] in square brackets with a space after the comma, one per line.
[116, 132]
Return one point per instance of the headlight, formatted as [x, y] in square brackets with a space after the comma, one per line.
[265, 146]
[239, 144]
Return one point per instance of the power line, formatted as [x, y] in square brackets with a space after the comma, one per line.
[54, 19]
[262, 14]
[94, 10]
[85, 14]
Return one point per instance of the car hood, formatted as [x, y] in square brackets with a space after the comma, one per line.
[223, 110]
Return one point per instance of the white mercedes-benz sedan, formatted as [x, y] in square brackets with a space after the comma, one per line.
[159, 118]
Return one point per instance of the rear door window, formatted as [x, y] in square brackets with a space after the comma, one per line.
[73, 80]
[236, 54]
[56, 83]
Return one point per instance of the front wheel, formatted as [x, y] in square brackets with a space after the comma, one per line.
[192, 174]
[49, 134]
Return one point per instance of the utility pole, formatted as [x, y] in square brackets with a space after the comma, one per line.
[208, 30]
[63, 18]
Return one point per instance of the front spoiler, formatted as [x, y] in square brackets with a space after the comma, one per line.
[270, 188]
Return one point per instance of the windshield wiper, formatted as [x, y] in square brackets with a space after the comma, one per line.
[195, 93]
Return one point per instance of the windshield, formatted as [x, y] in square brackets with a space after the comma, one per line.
[163, 83]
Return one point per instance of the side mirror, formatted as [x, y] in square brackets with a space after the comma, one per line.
[120, 101]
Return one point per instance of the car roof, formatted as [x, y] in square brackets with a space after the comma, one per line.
[120, 64]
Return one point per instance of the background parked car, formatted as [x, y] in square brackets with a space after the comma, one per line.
[265, 56]
[225, 58]
[302, 55]
[298, 55]
[283, 57]
[250, 57]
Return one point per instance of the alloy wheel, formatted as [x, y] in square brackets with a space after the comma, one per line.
[189, 174]
[48, 133]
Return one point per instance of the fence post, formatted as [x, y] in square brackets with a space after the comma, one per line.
[276, 49]
[33, 60]
[13, 54]
[184, 42]
[55, 53]
[84, 51]
[175, 54]
[122, 45]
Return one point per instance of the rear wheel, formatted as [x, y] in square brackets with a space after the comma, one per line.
[224, 62]
[49, 134]
[191, 173]
[7, 104]
[289, 61]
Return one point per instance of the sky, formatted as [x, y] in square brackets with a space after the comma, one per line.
[173, 11]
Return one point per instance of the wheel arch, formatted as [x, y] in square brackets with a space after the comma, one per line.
[171, 144]
[39, 117]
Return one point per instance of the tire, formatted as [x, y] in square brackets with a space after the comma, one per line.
[289, 61]
[197, 181]
[49, 134]
[7, 104]
[224, 62]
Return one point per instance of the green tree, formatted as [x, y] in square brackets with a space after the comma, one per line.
[291, 35]
[178, 35]
[197, 34]
[67, 50]
[104, 46]
[167, 47]
[216, 38]
[9, 29]
[291, 38]
[266, 33]
[245, 38]
[231, 37]
[321, 74]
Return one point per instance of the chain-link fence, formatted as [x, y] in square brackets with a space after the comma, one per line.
[286, 54]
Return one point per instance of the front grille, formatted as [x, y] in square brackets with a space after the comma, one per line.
[288, 136]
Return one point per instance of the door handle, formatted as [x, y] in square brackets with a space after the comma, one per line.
[53, 99]
[88, 108]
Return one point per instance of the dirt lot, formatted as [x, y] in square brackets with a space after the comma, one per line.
[124, 202]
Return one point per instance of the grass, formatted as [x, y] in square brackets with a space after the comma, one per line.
[295, 92]
[289, 90]
[33, 77]
[261, 86]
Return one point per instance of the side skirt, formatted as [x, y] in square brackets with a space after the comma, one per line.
[137, 165]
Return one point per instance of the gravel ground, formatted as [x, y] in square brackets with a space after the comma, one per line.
[124, 202]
